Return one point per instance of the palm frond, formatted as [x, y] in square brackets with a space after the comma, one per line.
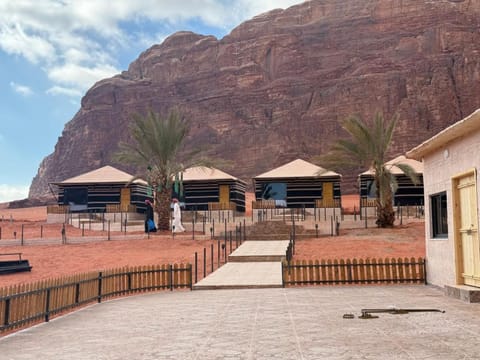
[409, 172]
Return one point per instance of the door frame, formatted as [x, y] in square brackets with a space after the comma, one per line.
[223, 186]
[124, 196]
[457, 239]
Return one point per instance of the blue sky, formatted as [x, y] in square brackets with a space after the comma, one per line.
[52, 51]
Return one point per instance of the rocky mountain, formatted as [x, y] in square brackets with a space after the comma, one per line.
[275, 88]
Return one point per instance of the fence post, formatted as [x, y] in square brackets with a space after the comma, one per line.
[196, 267]
[424, 271]
[47, 306]
[204, 263]
[366, 224]
[211, 255]
[316, 230]
[77, 292]
[99, 293]
[293, 225]
[244, 231]
[129, 282]
[64, 235]
[41, 232]
[193, 227]
[189, 267]
[170, 271]
[225, 228]
[225, 250]
[7, 311]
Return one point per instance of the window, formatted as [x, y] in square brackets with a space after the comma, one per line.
[274, 191]
[371, 189]
[77, 196]
[438, 204]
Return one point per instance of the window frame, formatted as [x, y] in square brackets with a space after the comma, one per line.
[439, 215]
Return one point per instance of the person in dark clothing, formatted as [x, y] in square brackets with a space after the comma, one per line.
[149, 221]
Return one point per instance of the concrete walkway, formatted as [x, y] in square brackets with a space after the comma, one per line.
[255, 264]
[291, 323]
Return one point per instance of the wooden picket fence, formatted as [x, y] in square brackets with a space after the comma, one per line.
[27, 304]
[355, 271]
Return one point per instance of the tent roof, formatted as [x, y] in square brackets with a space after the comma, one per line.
[297, 169]
[463, 127]
[416, 165]
[104, 175]
[203, 173]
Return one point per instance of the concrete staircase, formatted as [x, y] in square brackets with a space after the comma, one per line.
[276, 230]
[254, 264]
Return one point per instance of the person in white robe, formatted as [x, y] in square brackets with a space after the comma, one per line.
[177, 217]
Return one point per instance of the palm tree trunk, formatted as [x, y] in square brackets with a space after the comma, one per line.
[385, 213]
[162, 207]
[385, 217]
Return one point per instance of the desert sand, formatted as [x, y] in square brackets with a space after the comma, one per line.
[57, 260]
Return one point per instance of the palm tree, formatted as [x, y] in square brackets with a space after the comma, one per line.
[368, 147]
[155, 147]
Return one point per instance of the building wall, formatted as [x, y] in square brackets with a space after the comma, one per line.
[439, 168]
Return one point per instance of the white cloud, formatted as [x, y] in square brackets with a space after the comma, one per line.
[13, 192]
[21, 89]
[80, 77]
[59, 90]
[14, 40]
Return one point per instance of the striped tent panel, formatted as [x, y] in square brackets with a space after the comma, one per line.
[301, 192]
[98, 196]
[197, 194]
[407, 194]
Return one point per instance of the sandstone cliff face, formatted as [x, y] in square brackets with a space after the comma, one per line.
[277, 86]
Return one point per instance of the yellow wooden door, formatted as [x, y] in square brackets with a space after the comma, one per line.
[327, 194]
[224, 195]
[124, 199]
[467, 229]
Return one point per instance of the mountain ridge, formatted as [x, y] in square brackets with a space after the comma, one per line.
[276, 87]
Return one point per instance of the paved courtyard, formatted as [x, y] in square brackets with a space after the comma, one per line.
[291, 323]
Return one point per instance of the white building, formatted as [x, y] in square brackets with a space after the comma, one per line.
[451, 161]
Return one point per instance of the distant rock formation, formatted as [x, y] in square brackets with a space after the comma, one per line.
[275, 88]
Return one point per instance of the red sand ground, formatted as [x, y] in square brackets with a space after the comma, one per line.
[51, 261]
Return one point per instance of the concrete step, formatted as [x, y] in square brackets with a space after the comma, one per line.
[235, 275]
[255, 251]
[255, 258]
[465, 293]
